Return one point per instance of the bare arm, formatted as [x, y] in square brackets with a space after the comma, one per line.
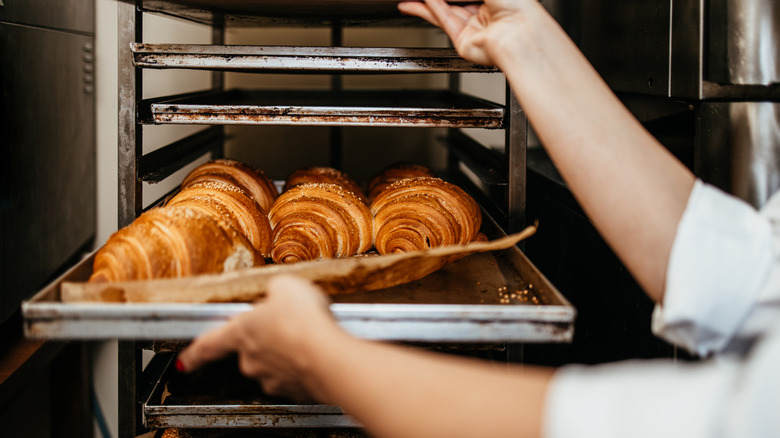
[291, 344]
[631, 187]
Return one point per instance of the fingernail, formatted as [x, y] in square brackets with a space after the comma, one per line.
[179, 366]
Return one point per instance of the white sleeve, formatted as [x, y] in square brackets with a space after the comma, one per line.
[716, 398]
[720, 262]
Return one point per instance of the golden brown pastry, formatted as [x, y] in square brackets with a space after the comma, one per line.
[319, 220]
[172, 242]
[324, 175]
[393, 173]
[251, 180]
[227, 202]
[419, 213]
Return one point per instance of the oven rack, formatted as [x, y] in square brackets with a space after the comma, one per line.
[449, 108]
[243, 13]
[302, 59]
[386, 108]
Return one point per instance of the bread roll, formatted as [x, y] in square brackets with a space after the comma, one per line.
[172, 242]
[419, 213]
[227, 202]
[393, 173]
[324, 175]
[250, 180]
[319, 220]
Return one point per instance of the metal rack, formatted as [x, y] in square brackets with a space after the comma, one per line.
[504, 176]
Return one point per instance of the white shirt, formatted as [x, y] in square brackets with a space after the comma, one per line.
[722, 302]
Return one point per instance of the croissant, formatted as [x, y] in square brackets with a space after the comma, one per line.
[319, 220]
[226, 202]
[393, 173]
[418, 213]
[324, 175]
[172, 242]
[251, 180]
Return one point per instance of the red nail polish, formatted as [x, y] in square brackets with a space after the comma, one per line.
[179, 366]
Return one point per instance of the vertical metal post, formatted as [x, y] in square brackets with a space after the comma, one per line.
[454, 87]
[515, 146]
[218, 77]
[130, 201]
[686, 63]
[336, 85]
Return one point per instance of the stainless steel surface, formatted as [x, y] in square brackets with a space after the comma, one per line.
[47, 155]
[740, 148]
[627, 42]
[421, 108]
[489, 297]
[746, 34]
[683, 48]
[297, 59]
[70, 15]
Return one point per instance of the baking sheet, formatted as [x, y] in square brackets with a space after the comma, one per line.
[419, 108]
[496, 296]
[252, 12]
[218, 396]
[302, 59]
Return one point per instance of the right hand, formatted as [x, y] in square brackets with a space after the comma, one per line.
[476, 31]
[274, 341]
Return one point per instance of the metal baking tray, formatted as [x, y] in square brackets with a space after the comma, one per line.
[497, 296]
[219, 397]
[419, 108]
[302, 59]
[234, 13]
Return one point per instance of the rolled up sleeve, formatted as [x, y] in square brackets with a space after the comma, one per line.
[721, 258]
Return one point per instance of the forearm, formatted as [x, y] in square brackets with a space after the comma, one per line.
[402, 392]
[631, 187]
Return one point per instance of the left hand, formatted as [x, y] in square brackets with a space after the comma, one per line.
[476, 31]
[274, 341]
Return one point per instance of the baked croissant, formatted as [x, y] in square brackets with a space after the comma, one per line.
[319, 220]
[251, 180]
[172, 242]
[226, 202]
[419, 213]
[324, 175]
[393, 173]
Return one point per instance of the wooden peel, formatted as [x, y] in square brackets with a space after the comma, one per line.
[336, 276]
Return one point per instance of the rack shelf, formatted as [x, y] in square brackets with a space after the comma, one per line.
[278, 59]
[431, 310]
[420, 108]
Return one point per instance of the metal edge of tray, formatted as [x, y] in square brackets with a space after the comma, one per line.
[319, 109]
[272, 413]
[302, 59]
[46, 317]
[291, 13]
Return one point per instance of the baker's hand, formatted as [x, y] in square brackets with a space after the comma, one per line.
[475, 30]
[274, 341]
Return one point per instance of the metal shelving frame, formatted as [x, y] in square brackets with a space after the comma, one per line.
[505, 176]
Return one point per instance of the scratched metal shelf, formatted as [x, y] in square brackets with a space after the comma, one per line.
[302, 59]
[243, 13]
[468, 301]
[218, 396]
[412, 108]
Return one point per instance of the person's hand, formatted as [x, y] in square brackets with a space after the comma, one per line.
[274, 341]
[476, 31]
